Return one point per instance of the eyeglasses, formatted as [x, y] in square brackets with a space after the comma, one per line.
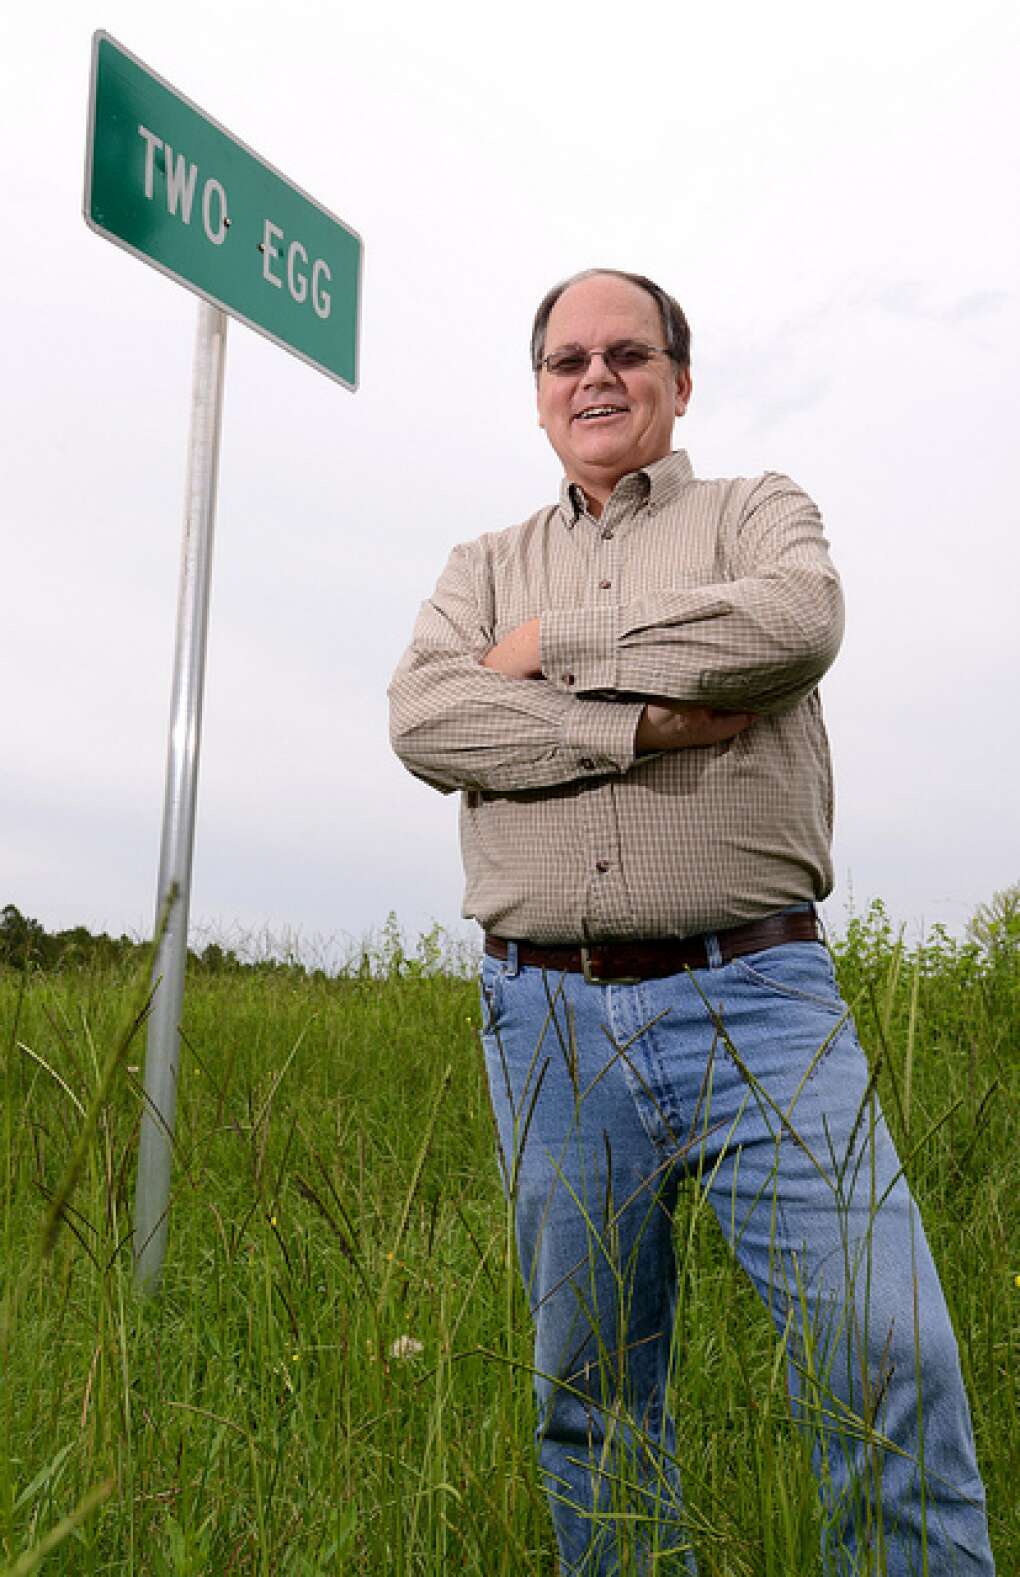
[623, 355]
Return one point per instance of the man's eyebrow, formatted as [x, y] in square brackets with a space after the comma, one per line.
[620, 339]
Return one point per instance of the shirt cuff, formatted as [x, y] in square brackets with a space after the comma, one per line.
[578, 648]
[602, 733]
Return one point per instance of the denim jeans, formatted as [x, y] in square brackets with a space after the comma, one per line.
[749, 1077]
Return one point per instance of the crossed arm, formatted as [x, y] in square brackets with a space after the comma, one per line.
[662, 725]
[583, 692]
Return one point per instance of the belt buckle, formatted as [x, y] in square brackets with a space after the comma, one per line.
[604, 980]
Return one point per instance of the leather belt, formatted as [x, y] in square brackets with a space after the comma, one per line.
[626, 962]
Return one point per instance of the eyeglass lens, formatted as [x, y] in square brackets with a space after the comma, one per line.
[618, 357]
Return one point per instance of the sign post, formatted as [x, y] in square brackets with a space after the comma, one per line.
[169, 184]
[173, 893]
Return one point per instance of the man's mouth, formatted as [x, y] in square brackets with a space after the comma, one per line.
[596, 413]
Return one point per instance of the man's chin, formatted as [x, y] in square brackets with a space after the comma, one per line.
[599, 476]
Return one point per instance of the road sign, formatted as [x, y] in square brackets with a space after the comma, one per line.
[170, 184]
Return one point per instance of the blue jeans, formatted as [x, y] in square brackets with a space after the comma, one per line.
[749, 1077]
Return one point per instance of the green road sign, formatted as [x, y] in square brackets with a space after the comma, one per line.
[168, 183]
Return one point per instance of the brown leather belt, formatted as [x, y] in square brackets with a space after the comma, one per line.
[626, 962]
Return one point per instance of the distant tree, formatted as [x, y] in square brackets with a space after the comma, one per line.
[76, 945]
[22, 941]
[995, 925]
[217, 960]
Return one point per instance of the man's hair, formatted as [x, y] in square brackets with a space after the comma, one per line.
[675, 327]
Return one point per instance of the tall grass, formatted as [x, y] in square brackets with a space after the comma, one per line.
[334, 1375]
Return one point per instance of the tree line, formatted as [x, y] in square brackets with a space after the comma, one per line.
[26, 944]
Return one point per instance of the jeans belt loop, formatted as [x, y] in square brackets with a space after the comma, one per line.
[512, 966]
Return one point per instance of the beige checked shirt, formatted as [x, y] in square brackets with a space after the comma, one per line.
[716, 593]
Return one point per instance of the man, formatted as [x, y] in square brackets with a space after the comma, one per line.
[624, 690]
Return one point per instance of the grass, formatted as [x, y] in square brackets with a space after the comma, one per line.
[334, 1375]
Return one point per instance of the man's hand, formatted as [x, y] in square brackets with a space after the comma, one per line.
[670, 725]
[517, 655]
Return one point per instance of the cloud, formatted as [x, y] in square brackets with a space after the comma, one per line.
[979, 303]
[908, 298]
[800, 396]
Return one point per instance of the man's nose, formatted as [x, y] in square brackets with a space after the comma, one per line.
[598, 369]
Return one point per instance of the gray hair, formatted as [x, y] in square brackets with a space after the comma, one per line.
[675, 327]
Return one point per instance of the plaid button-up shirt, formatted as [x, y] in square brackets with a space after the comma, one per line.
[713, 593]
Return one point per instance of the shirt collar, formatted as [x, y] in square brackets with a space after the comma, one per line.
[658, 483]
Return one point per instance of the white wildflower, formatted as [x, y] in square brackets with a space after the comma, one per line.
[406, 1347]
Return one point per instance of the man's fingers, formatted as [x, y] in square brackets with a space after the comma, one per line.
[734, 722]
[705, 726]
[667, 725]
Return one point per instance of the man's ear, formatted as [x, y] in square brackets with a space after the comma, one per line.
[684, 387]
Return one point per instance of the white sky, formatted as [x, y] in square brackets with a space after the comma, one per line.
[832, 193]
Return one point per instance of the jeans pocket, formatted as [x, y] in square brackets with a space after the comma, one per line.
[798, 971]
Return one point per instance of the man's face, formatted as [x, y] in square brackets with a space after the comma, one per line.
[605, 424]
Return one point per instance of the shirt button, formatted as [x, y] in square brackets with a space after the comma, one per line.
[604, 585]
[587, 763]
[568, 678]
[607, 533]
[602, 866]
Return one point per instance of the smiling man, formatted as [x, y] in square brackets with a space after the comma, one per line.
[624, 688]
[606, 417]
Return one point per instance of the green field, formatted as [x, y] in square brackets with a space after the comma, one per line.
[333, 1377]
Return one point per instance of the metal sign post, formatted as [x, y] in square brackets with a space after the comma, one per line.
[174, 887]
[170, 185]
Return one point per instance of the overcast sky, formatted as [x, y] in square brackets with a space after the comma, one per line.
[832, 193]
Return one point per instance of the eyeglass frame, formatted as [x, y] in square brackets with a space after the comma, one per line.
[601, 350]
